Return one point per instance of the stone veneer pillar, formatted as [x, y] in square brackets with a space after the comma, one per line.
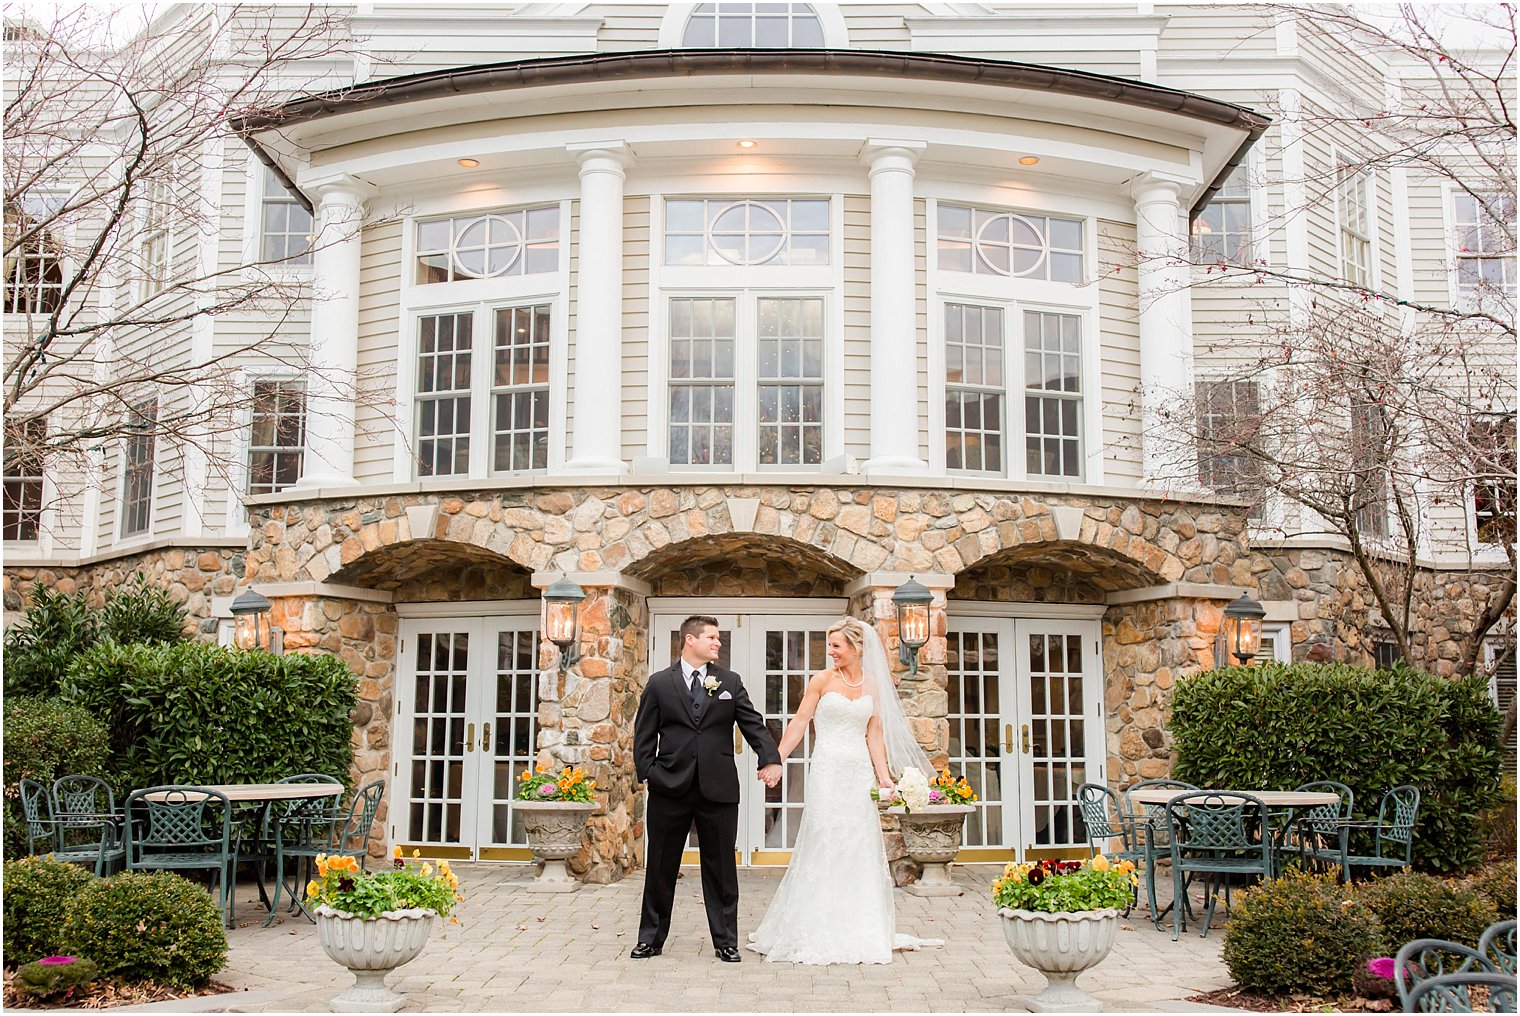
[329, 459]
[894, 321]
[1166, 361]
[597, 403]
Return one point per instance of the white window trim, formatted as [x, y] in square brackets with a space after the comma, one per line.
[253, 231]
[1282, 641]
[1258, 243]
[673, 25]
[1016, 295]
[235, 521]
[1455, 297]
[47, 518]
[1365, 179]
[147, 287]
[676, 281]
[481, 297]
[154, 485]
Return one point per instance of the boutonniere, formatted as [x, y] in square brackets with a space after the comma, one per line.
[711, 684]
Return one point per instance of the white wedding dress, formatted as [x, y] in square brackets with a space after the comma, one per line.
[834, 904]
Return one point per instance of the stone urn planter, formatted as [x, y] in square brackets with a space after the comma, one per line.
[555, 831]
[932, 837]
[1061, 946]
[371, 947]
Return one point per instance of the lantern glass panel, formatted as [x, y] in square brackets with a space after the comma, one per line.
[913, 624]
[559, 622]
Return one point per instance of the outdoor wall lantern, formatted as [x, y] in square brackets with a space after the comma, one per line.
[1242, 628]
[912, 601]
[252, 628]
[562, 603]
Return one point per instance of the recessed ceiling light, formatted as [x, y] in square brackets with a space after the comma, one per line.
[1029, 160]
[469, 163]
[747, 144]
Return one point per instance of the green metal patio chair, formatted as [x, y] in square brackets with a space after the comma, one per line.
[1105, 821]
[88, 826]
[37, 814]
[1320, 828]
[1453, 992]
[1392, 835]
[1216, 834]
[1427, 958]
[1498, 946]
[190, 829]
[1152, 837]
[299, 830]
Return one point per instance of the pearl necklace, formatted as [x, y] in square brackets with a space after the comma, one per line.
[851, 684]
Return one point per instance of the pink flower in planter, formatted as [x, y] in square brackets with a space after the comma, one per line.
[936, 797]
[548, 790]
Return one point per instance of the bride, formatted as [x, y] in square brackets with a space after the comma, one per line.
[834, 904]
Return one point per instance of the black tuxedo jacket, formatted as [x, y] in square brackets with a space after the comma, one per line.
[672, 748]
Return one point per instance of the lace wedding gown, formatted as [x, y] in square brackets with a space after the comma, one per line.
[834, 904]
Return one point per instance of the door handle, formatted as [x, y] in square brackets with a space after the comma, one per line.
[1026, 739]
[1008, 738]
[485, 737]
[469, 737]
[738, 742]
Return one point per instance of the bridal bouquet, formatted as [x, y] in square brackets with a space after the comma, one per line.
[912, 791]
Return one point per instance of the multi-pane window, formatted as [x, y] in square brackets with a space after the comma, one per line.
[153, 246]
[1485, 228]
[1222, 231]
[1494, 493]
[520, 389]
[1356, 229]
[23, 479]
[1053, 394]
[444, 346]
[34, 277]
[1369, 464]
[278, 441]
[747, 231]
[703, 334]
[987, 241]
[1229, 417]
[974, 388]
[790, 378]
[285, 224]
[137, 468]
[497, 245]
[749, 26]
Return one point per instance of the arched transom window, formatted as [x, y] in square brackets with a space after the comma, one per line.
[753, 26]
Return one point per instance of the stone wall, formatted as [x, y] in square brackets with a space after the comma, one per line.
[192, 575]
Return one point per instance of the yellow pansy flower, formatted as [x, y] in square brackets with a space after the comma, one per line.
[1100, 863]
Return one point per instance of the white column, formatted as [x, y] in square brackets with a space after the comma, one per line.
[329, 459]
[597, 396]
[894, 331]
[1166, 346]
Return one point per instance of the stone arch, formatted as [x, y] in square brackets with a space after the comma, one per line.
[743, 564]
[1057, 571]
[435, 569]
[1100, 539]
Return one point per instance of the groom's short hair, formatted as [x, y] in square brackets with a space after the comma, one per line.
[694, 624]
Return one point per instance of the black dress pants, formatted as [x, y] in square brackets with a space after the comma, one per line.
[666, 823]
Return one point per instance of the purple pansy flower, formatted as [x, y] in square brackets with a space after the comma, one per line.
[1381, 967]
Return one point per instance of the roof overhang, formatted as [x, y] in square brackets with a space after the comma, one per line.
[396, 110]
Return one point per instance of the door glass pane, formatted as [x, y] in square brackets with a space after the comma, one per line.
[1059, 745]
[791, 657]
[436, 790]
[513, 741]
[972, 668]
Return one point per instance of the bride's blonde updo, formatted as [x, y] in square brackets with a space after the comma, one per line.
[854, 633]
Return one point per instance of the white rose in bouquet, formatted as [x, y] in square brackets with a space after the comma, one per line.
[913, 789]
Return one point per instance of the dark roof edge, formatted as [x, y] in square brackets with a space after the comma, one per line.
[611, 67]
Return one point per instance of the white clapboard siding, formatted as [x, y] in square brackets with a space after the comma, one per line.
[380, 283]
[1119, 345]
[636, 338]
[857, 326]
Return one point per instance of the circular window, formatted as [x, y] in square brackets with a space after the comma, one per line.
[747, 233]
[487, 247]
[1010, 245]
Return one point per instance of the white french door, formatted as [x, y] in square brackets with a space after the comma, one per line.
[1026, 729]
[775, 653]
[467, 716]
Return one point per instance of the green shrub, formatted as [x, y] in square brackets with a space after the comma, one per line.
[1412, 905]
[198, 713]
[45, 739]
[1277, 726]
[37, 890]
[143, 613]
[1300, 933]
[55, 627]
[147, 927]
[57, 978]
[1495, 882]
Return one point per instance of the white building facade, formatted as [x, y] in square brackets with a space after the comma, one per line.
[754, 310]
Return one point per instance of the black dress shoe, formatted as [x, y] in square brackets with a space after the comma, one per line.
[727, 953]
[643, 951]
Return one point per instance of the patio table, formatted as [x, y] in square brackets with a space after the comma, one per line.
[263, 795]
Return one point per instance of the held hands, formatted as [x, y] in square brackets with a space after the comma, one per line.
[769, 775]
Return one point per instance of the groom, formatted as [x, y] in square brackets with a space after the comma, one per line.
[683, 745]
